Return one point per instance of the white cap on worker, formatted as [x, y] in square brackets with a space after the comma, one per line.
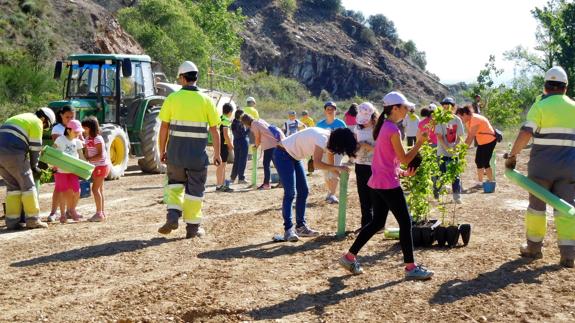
[187, 67]
[396, 98]
[250, 99]
[557, 74]
[432, 107]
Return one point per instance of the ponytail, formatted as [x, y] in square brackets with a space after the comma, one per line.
[384, 115]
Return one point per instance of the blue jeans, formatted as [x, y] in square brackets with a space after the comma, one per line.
[268, 155]
[292, 176]
[455, 186]
[240, 159]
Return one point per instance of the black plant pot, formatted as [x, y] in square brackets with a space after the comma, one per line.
[452, 233]
[426, 235]
[416, 235]
[440, 234]
[465, 231]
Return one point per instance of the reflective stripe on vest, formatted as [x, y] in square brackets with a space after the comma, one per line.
[564, 137]
[189, 129]
[16, 131]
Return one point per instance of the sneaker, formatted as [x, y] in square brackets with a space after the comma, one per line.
[75, 216]
[98, 217]
[242, 181]
[290, 235]
[418, 273]
[35, 224]
[52, 217]
[305, 231]
[527, 252]
[194, 230]
[567, 262]
[352, 266]
[226, 189]
[264, 187]
[63, 219]
[332, 199]
[168, 227]
[457, 200]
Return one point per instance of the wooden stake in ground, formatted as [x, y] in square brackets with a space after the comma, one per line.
[254, 166]
[343, 179]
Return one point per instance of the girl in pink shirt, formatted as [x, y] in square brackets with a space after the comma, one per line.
[95, 152]
[387, 194]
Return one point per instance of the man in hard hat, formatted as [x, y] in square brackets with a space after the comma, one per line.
[551, 124]
[20, 146]
[186, 116]
[250, 109]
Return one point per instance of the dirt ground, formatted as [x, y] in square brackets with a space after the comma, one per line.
[124, 271]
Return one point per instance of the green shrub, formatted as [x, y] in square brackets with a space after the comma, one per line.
[367, 36]
[331, 6]
[288, 7]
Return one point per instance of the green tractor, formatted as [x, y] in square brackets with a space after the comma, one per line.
[125, 94]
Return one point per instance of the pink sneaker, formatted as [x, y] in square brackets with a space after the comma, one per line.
[98, 217]
[75, 216]
[63, 219]
[264, 187]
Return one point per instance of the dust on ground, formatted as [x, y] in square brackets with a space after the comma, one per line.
[123, 270]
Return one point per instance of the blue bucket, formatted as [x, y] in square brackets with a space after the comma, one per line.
[85, 189]
[488, 187]
[275, 178]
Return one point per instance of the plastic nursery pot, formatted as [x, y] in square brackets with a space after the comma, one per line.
[465, 231]
[426, 236]
[416, 235]
[440, 234]
[452, 233]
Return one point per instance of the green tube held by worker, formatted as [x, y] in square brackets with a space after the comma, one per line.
[343, 180]
[540, 192]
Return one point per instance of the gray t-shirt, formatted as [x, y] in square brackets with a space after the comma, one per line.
[450, 133]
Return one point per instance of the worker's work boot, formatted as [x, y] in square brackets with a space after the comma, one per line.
[168, 227]
[531, 250]
[12, 224]
[194, 230]
[35, 224]
[567, 262]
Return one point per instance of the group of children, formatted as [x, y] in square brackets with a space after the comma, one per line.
[80, 140]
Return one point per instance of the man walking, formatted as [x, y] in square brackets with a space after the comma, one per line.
[186, 116]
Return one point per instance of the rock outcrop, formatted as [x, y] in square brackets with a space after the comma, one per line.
[334, 54]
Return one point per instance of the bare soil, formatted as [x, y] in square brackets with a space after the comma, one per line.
[124, 271]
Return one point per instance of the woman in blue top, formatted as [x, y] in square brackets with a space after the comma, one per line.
[241, 144]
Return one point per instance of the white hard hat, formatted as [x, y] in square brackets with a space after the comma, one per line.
[49, 114]
[557, 74]
[187, 67]
[250, 99]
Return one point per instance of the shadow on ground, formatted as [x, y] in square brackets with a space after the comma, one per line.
[512, 272]
[103, 250]
[316, 302]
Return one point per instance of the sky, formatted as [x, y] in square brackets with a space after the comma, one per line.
[459, 35]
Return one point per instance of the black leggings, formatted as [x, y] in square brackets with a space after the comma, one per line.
[362, 175]
[384, 201]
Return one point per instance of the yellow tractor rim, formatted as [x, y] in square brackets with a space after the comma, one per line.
[117, 151]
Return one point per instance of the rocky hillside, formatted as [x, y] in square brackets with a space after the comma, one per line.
[329, 53]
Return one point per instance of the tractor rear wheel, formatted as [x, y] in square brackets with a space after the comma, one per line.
[149, 141]
[117, 147]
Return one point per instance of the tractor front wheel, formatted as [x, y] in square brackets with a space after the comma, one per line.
[117, 147]
[149, 141]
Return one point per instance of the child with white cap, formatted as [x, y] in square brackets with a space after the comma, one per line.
[366, 118]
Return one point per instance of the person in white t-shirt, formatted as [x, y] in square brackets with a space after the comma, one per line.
[63, 116]
[411, 125]
[366, 119]
[292, 125]
[68, 184]
[288, 158]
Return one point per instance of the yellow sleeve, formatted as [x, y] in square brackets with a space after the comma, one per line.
[166, 111]
[212, 113]
[534, 118]
[36, 130]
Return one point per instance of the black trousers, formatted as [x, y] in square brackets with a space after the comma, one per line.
[384, 201]
[362, 175]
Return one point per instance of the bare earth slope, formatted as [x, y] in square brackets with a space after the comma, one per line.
[327, 53]
[124, 271]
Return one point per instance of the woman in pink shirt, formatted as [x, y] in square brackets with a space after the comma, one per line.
[387, 194]
[426, 125]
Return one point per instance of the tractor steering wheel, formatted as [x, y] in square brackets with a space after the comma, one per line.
[102, 87]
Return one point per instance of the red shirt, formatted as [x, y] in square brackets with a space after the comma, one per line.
[423, 127]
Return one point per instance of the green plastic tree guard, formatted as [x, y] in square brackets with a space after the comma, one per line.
[254, 166]
[66, 162]
[391, 233]
[343, 180]
[493, 165]
[540, 192]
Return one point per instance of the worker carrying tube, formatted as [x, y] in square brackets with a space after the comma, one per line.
[20, 146]
[551, 124]
[186, 116]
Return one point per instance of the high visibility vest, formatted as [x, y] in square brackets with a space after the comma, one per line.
[22, 132]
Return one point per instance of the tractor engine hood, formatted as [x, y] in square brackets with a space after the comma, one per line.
[77, 104]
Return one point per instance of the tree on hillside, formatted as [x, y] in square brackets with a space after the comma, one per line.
[383, 27]
[331, 6]
[355, 15]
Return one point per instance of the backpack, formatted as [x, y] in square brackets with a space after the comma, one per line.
[276, 132]
[498, 135]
